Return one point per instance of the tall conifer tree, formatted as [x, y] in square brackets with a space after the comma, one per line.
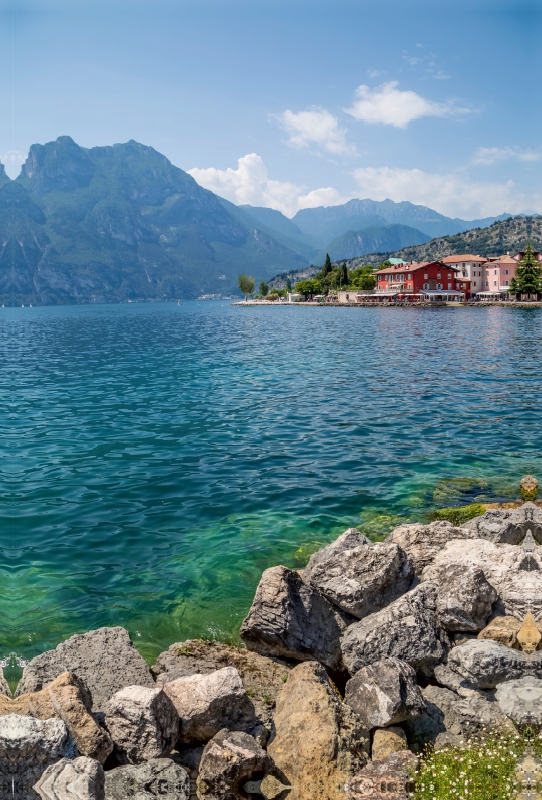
[326, 269]
[528, 278]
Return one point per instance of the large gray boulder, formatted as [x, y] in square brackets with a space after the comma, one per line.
[484, 664]
[263, 677]
[229, 761]
[521, 700]
[208, 703]
[105, 660]
[27, 747]
[465, 597]
[80, 779]
[508, 525]
[143, 723]
[348, 540]
[385, 693]
[449, 717]
[514, 572]
[365, 579]
[293, 620]
[422, 543]
[159, 777]
[4, 685]
[407, 630]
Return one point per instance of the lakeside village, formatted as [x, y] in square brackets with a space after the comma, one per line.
[464, 278]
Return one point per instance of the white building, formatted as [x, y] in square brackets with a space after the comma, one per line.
[469, 266]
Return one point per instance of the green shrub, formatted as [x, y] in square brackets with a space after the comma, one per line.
[460, 514]
[483, 768]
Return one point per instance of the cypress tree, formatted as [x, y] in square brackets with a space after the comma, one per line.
[528, 278]
[326, 269]
[344, 275]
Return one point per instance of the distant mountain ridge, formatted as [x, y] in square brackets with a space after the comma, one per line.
[121, 222]
[371, 239]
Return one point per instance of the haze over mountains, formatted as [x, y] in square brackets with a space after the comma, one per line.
[121, 222]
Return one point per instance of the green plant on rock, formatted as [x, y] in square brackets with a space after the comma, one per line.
[460, 514]
[484, 768]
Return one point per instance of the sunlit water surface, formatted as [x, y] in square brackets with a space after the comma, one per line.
[156, 458]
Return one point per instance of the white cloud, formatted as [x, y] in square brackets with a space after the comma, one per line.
[388, 105]
[450, 194]
[250, 184]
[489, 155]
[12, 161]
[316, 126]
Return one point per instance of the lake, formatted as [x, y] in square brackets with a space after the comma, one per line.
[156, 458]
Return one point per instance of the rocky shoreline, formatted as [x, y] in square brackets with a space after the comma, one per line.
[350, 668]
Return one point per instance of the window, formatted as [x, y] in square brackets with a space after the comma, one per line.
[507, 272]
[450, 277]
[487, 283]
[439, 285]
[380, 277]
[494, 283]
[474, 283]
[410, 286]
[426, 276]
[426, 285]
[450, 286]
[438, 274]
[506, 283]
[495, 272]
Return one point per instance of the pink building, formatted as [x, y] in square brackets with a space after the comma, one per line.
[499, 271]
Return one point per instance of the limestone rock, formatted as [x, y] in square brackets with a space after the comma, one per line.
[262, 677]
[528, 635]
[484, 664]
[407, 630]
[68, 699]
[4, 685]
[27, 747]
[80, 779]
[389, 779]
[319, 742]
[387, 741]
[105, 660]
[208, 703]
[348, 540]
[448, 717]
[465, 597]
[503, 630]
[514, 572]
[507, 525]
[422, 543]
[293, 620]
[143, 723]
[385, 693]
[229, 760]
[521, 700]
[159, 777]
[365, 579]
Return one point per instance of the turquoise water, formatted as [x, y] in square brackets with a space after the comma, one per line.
[156, 458]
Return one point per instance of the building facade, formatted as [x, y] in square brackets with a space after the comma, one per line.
[469, 266]
[426, 277]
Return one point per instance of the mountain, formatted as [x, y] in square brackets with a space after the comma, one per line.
[510, 235]
[277, 226]
[332, 221]
[372, 239]
[114, 223]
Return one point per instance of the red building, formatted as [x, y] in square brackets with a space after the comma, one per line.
[429, 278]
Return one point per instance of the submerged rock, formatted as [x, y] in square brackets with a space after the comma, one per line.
[407, 630]
[365, 579]
[80, 779]
[319, 742]
[104, 659]
[385, 693]
[293, 620]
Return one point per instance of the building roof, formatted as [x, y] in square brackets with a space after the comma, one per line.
[400, 268]
[506, 259]
[464, 257]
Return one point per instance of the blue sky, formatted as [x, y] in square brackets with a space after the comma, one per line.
[287, 103]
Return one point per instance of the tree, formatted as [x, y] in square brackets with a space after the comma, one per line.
[279, 292]
[288, 284]
[528, 278]
[343, 275]
[363, 278]
[264, 288]
[246, 284]
[326, 269]
[307, 287]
